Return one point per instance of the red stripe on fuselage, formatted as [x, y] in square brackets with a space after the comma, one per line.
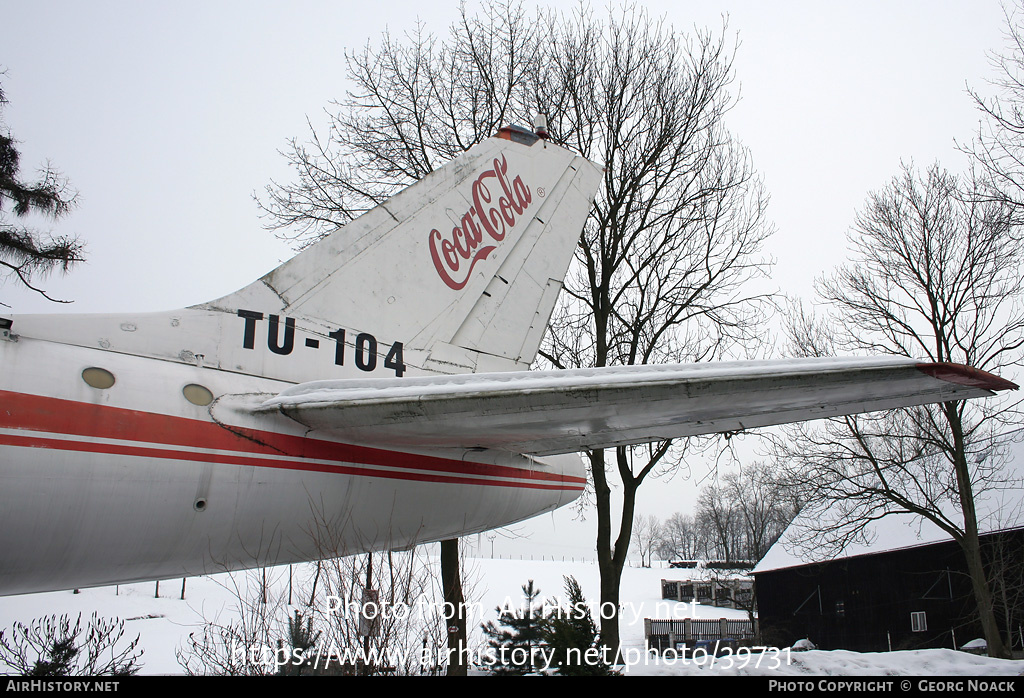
[347, 469]
[58, 416]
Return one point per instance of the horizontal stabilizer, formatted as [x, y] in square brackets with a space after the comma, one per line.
[546, 412]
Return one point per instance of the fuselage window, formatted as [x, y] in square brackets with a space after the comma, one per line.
[197, 394]
[98, 377]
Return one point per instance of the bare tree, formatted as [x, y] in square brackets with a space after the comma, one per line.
[764, 506]
[664, 260]
[417, 102]
[736, 520]
[53, 646]
[241, 640]
[646, 534]
[998, 147]
[1004, 557]
[368, 614]
[678, 538]
[719, 522]
[374, 617]
[673, 238]
[935, 273]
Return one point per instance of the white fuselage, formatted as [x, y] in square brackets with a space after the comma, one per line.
[135, 447]
[134, 482]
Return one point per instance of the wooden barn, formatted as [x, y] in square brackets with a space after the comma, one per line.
[905, 597]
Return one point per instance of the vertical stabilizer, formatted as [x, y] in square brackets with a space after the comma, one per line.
[462, 269]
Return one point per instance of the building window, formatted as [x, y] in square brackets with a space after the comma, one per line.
[918, 621]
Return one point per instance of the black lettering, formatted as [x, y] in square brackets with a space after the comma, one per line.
[249, 336]
[312, 343]
[339, 346]
[366, 352]
[394, 359]
[289, 335]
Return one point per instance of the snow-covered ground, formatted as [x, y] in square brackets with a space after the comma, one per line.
[163, 624]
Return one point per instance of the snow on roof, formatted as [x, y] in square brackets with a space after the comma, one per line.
[996, 511]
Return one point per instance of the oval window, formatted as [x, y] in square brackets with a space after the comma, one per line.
[98, 377]
[197, 394]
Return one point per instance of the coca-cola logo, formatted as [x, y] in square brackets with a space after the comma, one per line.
[497, 206]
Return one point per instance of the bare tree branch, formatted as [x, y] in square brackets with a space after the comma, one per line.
[935, 274]
[663, 263]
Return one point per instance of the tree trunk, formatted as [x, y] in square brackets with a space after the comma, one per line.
[611, 559]
[451, 584]
[609, 614]
[983, 597]
[368, 589]
[970, 543]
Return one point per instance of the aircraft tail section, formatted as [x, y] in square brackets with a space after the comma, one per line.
[458, 273]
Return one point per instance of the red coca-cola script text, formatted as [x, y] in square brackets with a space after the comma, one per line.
[498, 205]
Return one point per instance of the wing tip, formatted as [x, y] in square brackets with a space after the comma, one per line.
[966, 375]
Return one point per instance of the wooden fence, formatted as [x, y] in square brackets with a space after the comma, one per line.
[661, 634]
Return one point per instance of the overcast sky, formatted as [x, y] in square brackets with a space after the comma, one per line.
[168, 117]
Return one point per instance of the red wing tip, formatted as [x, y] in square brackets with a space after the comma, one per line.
[965, 375]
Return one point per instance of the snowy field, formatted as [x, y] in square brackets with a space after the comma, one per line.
[164, 624]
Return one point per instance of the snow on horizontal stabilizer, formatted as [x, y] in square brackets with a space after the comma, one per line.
[546, 412]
